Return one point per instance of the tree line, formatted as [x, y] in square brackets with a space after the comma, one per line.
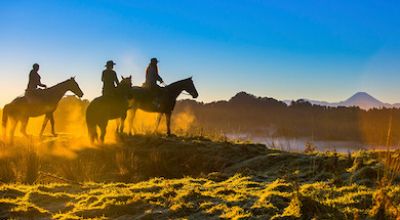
[246, 113]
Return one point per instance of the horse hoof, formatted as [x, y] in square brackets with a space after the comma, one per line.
[55, 135]
[171, 135]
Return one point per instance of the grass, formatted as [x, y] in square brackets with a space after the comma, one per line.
[237, 197]
[157, 177]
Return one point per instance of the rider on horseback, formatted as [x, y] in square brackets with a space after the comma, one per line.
[34, 78]
[34, 82]
[152, 77]
[110, 79]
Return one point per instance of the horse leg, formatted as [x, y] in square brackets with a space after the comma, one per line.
[158, 120]
[51, 118]
[4, 133]
[131, 125]
[122, 121]
[4, 122]
[118, 126]
[93, 136]
[24, 123]
[168, 121]
[103, 130]
[12, 130]
[46, 119]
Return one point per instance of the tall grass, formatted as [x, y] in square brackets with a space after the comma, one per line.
[385, 206]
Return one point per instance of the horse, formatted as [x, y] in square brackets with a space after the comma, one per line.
[143, 99]
[105, 108]
[41, 102]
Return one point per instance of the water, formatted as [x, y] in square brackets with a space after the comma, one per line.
[298, 144]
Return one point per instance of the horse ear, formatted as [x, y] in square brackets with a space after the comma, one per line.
[122, 77]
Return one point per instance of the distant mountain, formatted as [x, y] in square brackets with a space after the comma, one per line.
[360, 99]
[364, 101]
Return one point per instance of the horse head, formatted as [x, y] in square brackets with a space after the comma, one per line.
[74, 87]
[125, 85]
[190, 88]
[126, 81]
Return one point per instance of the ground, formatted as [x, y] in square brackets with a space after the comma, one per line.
[156, 177]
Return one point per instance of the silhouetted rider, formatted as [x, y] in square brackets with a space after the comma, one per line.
[109, 78]
[34, 79]
[152, 75]
[33, 91]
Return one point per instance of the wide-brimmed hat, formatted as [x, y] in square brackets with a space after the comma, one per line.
[110, 63]
[153, 60]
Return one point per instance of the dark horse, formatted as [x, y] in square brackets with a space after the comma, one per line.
[144, 99]
[105, 108]
[42, 102]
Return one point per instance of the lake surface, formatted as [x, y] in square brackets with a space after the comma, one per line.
[298, 144]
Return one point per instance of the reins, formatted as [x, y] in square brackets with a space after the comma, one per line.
[183, 92]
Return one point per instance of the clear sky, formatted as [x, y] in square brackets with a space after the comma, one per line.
[324, 50]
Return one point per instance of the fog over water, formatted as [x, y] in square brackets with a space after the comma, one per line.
[299, 144]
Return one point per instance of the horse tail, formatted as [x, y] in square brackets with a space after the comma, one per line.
[4, 120]
[91, 125]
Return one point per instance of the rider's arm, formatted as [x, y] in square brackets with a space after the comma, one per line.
[116, 79]
[38, 83]
[159, 78]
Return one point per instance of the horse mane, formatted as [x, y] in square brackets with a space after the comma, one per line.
[58, 84]
[178, 82]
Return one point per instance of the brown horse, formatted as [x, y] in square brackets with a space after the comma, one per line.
[42, 102]
[144, 99]
[105, 108]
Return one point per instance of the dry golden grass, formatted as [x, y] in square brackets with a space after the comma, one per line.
[157, 177]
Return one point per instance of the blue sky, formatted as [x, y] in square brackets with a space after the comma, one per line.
[324, 50]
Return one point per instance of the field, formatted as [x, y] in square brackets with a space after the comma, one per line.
[157, 177]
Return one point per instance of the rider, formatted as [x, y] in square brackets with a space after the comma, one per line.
[34, 79]
[34, 83]
[109, 78]
[152, 77]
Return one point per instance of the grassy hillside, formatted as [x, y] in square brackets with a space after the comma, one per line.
[155, 177]
[158, 198]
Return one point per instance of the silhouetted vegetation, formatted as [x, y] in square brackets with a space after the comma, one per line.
[245, 113]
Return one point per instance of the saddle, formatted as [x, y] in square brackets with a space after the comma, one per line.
[153, 95]
[34, 95]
